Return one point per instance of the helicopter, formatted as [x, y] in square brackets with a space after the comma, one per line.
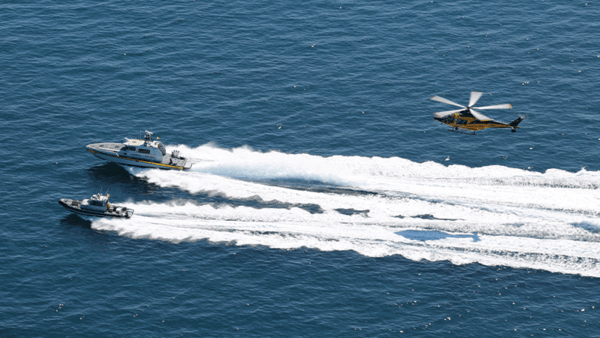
[467, 118]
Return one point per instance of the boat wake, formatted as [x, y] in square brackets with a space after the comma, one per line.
[378, 207]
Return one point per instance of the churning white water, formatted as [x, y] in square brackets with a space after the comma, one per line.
[379, 206]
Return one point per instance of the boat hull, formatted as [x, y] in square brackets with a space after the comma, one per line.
[136, 162]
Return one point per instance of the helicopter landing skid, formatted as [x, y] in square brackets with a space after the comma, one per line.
[462, 132]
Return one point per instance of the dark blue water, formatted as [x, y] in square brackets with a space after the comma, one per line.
[324, 199]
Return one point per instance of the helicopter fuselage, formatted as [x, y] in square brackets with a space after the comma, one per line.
[464, 120]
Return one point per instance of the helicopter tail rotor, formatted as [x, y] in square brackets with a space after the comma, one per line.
[517, 121]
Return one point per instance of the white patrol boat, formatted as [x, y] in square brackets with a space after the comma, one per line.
[145, 153]
[97, 205]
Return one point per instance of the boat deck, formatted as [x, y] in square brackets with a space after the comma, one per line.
[173, 161]
[114, 147]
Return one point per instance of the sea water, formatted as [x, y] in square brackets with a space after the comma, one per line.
[323, 200]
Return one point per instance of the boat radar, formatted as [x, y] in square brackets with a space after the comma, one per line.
[146, 153]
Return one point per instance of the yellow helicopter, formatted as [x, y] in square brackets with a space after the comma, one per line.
[467, 118]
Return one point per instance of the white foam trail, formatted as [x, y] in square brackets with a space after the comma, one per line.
[522, 219]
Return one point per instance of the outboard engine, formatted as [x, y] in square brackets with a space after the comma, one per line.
[175, 153]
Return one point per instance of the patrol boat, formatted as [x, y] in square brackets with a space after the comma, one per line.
[146, 153]
[97, 205]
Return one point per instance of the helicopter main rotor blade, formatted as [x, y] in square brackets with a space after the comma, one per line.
[448, 112]
[443, 100]
[478, 116]
[498, 106]
[474, 97]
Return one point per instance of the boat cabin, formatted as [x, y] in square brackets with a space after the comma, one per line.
[97, 202]
[147, 149]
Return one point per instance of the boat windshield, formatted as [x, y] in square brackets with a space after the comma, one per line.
[162, 149]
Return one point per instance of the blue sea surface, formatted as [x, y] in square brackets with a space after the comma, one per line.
[324, 200]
